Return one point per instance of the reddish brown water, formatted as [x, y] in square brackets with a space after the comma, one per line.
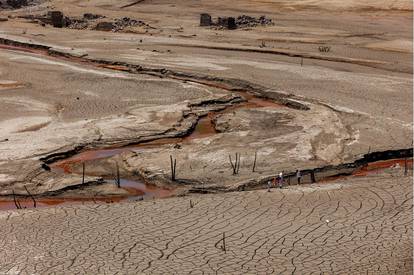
[21, 49]
[47, 202]
[136, 191]
[371, 168]
[115, 67]
[375, 167]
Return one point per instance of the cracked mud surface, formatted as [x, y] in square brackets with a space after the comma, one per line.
[347, 227]
[136, 97]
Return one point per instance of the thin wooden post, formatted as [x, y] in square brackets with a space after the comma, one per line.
[16, 202]
[233, 166]
[173, 165]
[83, 173]
[254, 163]
[238, 163]
[175, 168]
[224, 242]
[313, 180]
[405, 166]
[118, 178]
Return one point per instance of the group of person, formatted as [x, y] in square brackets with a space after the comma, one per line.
[279, 181]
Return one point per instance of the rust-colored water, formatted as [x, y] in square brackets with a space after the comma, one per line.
[114, 67]
[373, 167]
[204, 128]
[95, 154]
[380, 165]
[257, 102]
[47, 202]
[21, 49]
[137, 190]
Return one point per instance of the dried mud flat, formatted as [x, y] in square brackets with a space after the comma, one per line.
[326, 89]
[349, 227]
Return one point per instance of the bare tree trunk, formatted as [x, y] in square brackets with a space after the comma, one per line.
[405, 167]
[254, 163]
[83, 173]
[238, 163]
[33, 199]
[118, 178]
[173, 164]
[232, 165]
[313, 180]
[224, 242]
[16, 202]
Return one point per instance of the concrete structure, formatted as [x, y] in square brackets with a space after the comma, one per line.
[57, 19]
[205, 20]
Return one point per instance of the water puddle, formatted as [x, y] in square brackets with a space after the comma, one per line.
[137, 191]
[21, 49]
[378, 166]
[10, 84]
[27, 203]
[372, 168]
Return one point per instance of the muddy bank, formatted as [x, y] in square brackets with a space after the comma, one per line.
[374, 161]
[138, 191]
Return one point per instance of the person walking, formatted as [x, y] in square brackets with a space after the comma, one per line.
[281, 179]
[298, 176]
[269, 185]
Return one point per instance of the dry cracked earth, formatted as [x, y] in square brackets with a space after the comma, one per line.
[130, 98]
[352, 226]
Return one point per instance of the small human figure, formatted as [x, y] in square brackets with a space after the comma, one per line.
[269, 185]
[298, 176]
[280, 179]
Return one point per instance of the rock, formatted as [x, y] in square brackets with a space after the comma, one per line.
[205, 20]
[104, 26]
[3, 19]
